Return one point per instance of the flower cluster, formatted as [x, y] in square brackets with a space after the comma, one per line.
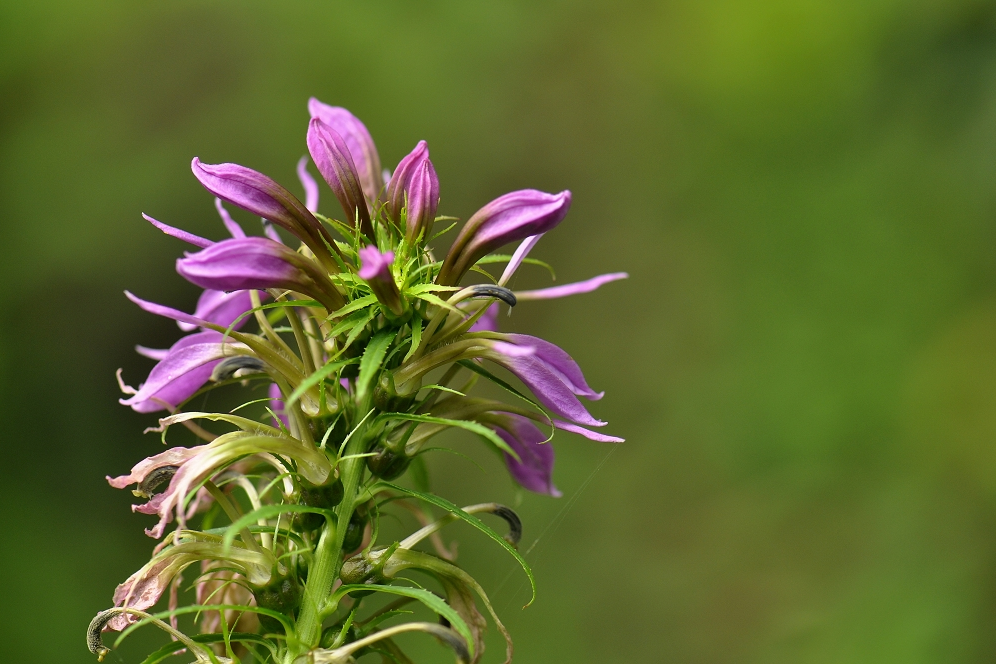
[366, 347]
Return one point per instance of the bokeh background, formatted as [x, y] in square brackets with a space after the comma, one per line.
[803, 361]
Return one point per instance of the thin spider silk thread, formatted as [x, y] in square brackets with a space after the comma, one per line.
[555, 524]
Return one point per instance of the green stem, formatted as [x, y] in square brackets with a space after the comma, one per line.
[327, 561]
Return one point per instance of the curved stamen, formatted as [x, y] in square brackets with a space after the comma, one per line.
[499, 292]
[444, 634]
[159, 476]
[499, 510]
[237, 367]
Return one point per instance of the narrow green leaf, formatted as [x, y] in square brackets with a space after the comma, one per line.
[373, 357]
[267, 512]
[481, 430]
[504, 258]
[355, 305]
[446, 505]
[317, 377]
[431, 600]
[416, 336]
[238, 637]
[436, 300]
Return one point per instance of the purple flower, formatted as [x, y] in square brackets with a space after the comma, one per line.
[260, 195]
[184, 369]
[548, 372]
[332, 157]
[534, 469]
[222, 308]
[511, 217]
[415, 187]
[258, 263]
[376, 271]
[358, 141]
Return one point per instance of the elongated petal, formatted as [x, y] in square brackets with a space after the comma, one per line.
[260, 195]
[185, 369]
[514, 216]
[257, 263]
[559, 362]
[520, 255]
[358, 141]
[331, 156]
[166, 312]
[154, 353]
[309, 184]
[534, 470]
[576, 288]
[178, 233]
[233, 227]
[587, 433]
[222, 308]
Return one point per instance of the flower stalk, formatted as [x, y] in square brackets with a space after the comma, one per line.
[332, 344]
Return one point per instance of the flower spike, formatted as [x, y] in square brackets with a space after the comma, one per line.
[367, 348]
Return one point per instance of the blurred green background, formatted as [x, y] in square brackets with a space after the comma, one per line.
[803, 361]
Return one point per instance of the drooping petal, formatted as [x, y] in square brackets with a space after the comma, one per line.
[185, 369]
[559, 362]
[415, 185]
[260, 195]
[587, 433]
[520, 255]
[257, 263]
[509, 218]
[154, 353]
[576, 288]
[358, 141]
[178, 233]
[233, 227]
[331, 155]
[309, 184]
[548, 385]
[222, 308]
[174, 456]
[534, 469]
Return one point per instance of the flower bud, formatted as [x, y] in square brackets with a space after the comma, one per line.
[354, 533]
[324, 497]
[388, 464]
[514, 216]
[283, 596]
[414, 187]
[357, 139]
[258, 263]
[375, 269]
[257, 193]
[332, 156]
